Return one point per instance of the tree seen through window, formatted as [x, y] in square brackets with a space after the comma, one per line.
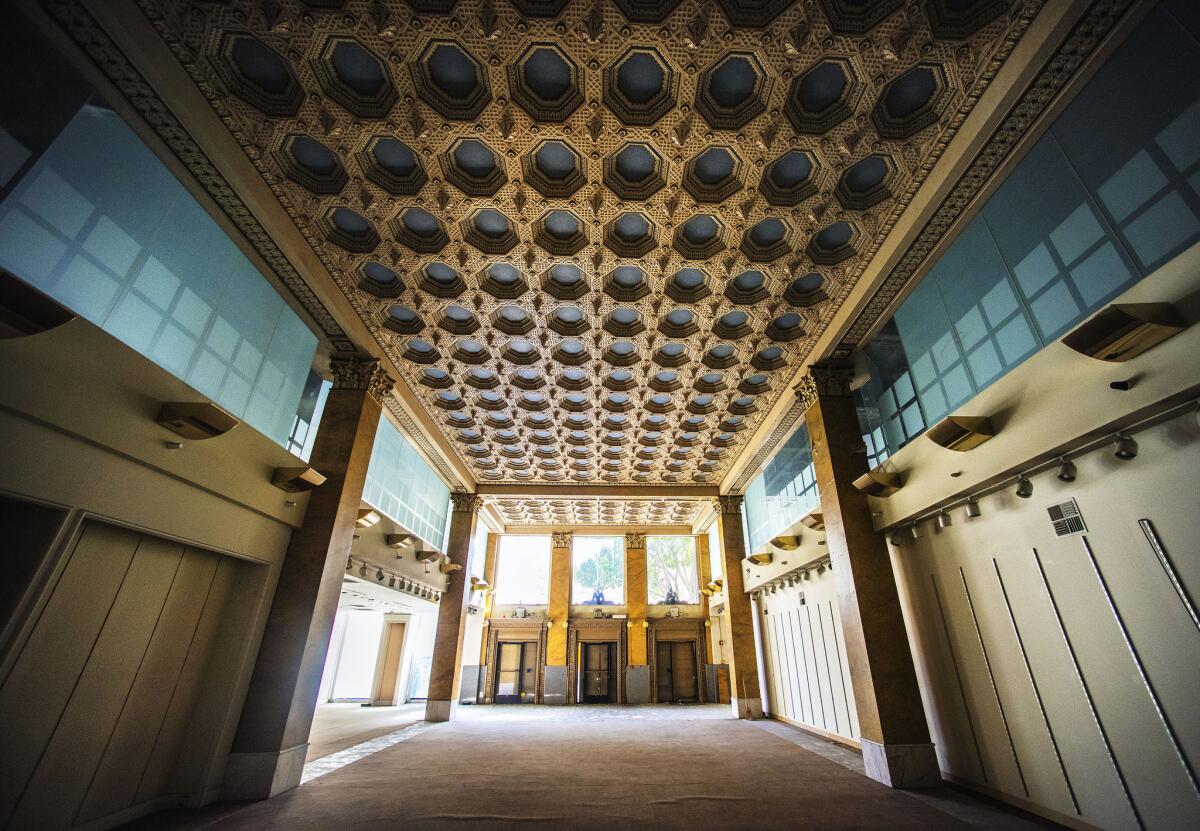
[671, 570]
[598, 571]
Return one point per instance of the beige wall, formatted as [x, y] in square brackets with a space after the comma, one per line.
[807, 678]
[137, 625]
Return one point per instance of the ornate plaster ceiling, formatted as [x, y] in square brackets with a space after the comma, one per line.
[597, 237]
[516, 512]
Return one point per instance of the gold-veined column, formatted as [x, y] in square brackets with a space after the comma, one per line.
[894, 734]
[740, 653]
[559, 610]
[637, 674]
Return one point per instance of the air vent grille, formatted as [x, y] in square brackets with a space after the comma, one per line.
[1066, 519]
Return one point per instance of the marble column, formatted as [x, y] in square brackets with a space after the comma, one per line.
[637, 674]
[445, 671]
[558, 611]
[895, 737]
[489, 577]
[704, 575]
[740, 654]
[271, 742]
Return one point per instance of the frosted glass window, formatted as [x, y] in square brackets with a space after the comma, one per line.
[671, 576]
[523, 571]
[598, 570]
[101, 225]
[403, 486]
[716, 559]
[785, 491]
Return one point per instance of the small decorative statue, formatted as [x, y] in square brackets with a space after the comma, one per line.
[672, 597]
[598, 598]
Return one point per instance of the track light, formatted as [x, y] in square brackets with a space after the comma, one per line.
[1127, 448]
[1066, 470]
[379, 575]
[915, 531]
[973, 508]
[897, 541]
[349, 565]
[362, 570]
[392, 582]
[943, 520]
[1024, 487]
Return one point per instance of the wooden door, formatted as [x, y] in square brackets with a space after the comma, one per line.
[597, 673]
[389, 674]
[675, 672]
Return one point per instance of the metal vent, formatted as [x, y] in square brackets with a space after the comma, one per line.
[1066, 519]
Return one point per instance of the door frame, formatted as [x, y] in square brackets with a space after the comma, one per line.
[381, 669]
[525, 630]
[679, 629]
[597, 629]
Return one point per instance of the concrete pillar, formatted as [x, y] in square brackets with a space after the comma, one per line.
[554, 681]
[744, 695]
[895, 737]
[445, 671]
[268, 751]
[637, 674]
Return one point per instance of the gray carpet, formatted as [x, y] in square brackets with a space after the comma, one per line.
[591, 768]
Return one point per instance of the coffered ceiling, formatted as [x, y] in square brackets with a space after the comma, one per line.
[596, 237]
[517, 512]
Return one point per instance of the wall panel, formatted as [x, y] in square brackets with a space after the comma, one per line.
[1076, 656]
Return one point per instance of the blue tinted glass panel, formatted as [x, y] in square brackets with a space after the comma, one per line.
[785, 491]
[402, 485]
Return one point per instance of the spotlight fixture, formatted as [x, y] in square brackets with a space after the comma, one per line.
[362, 570]
[1127, 448]
[943, 520]
[392, 582]
[896, 541]
[379, 575]
[1024, 487]
[349, 565]
[915, 530]
[1066, 470]
[973, 508]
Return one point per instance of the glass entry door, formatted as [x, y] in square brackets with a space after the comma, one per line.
[516, 672]
[597, 679]
[675, 672]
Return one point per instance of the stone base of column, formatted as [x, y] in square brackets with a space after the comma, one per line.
[637, 685]
[902, 765]
[440, 710]
[554, 686]
[250, 776]
[748, 708]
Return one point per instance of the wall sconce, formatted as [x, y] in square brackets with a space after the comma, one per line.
[973, 507]
[961, 433]
[1024, 487]
[296, 479]
[397, 540]
[879, 482]
[196, 420]
[1126, 448]
[367, 517]
[1125, 330]
[1067, 470]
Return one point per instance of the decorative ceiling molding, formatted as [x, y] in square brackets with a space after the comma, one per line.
[597, 511]
[602, 405]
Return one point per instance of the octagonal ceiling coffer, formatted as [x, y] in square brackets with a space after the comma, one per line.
[958, 20]
[854, 17]
[732, 91]
[350, 230]
[635, 171]
[640, 86]
[767, 240]
[473, 167]
[700, 237]
[540, 8]
[753, 14]
[451, 80]
[490, 231]
[311, 164]
[910, 102]
[865, 183]
[545, 82]
[630, 234]
[379, 280]
[355, 78]
[392, 165]
[564, 281]
[554, 169]
[713, 175]
[560, 232]
[823, 96]
[747, 288]
[626, 283]
[833, 244]
[417, 229]
[503, 281]
[257, 74]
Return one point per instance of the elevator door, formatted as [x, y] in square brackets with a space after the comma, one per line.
[597, 682]
[675, 672]
[516, 672]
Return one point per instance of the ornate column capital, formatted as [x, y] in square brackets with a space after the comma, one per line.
[635, 540]
[467, 503]
[361, 374]
[806, 393]
[828, 380]
[561, 539]
[730, 504]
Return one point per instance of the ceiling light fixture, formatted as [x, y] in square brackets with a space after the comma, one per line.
[1066, 470]
[1024, 487]
[973, 507]
[943, 519]
[1126, 448]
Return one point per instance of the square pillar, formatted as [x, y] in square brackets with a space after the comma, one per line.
[895, 737]
[637, 674]
[554, 679]
[744, 694]
[445, 671]
[271, 742]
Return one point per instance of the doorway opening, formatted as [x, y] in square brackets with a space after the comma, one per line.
[516, 672]
[597, 682]
[675, 672]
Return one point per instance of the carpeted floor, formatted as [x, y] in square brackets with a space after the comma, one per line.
[338, 726]
[610, 768]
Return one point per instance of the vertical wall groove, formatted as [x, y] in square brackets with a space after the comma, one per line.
[962, 693]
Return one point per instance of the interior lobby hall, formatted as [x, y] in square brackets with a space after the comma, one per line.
[599, 414]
